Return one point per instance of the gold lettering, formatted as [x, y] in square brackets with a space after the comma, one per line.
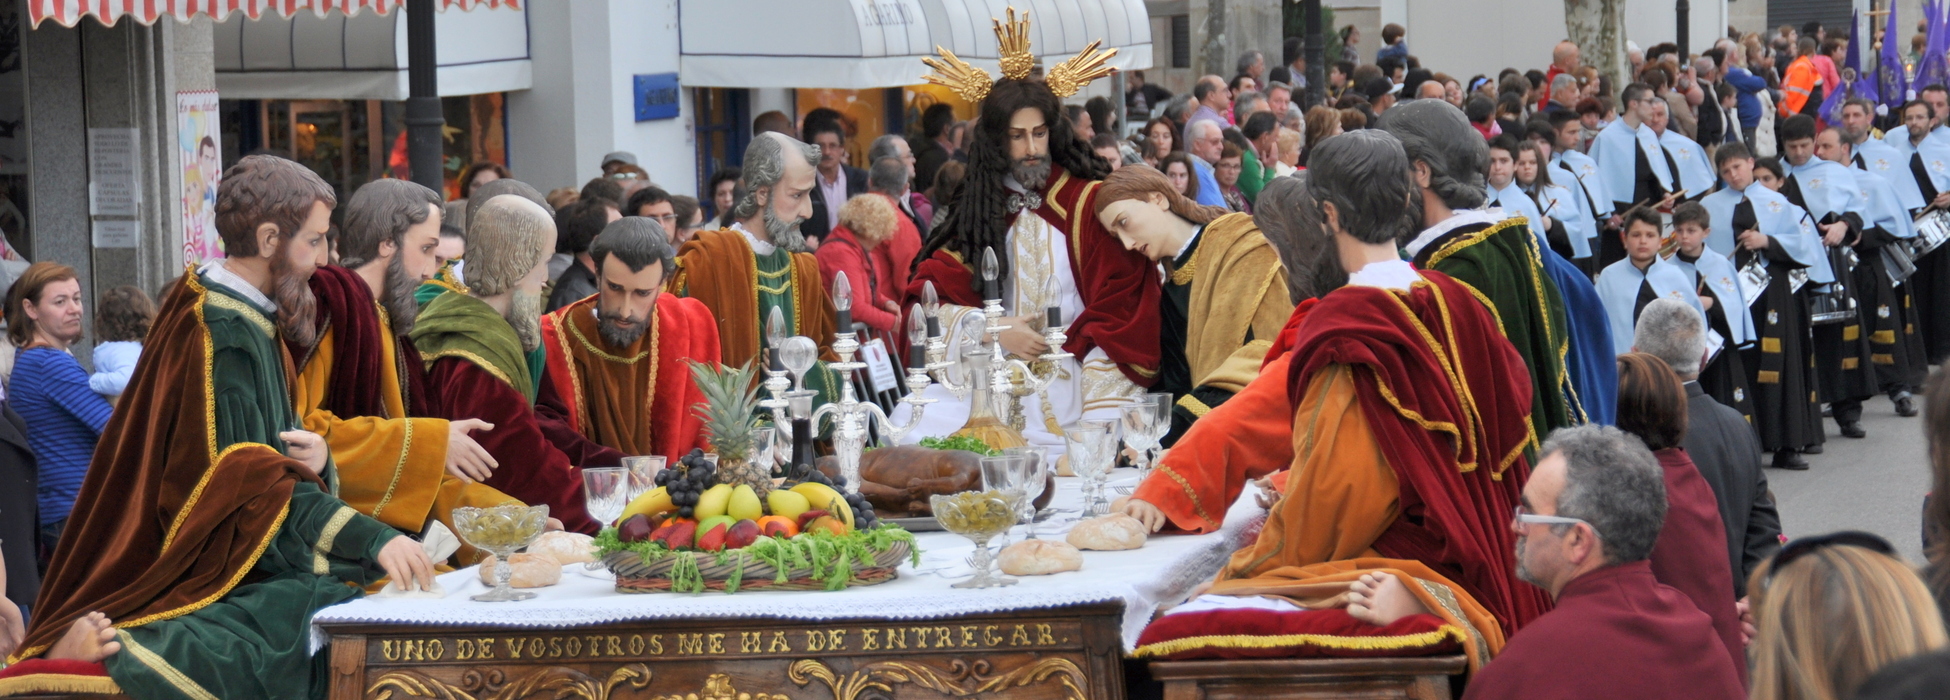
[815, 641]
[690, 643]
[435, 650]
[943, 638]
[989, 637]
[750, 642]
[779, 643]
[717, 642]
[536, 647]
[464, 650]
[554, 647]
[486, 645]
[595, 645]
[835, 640]
[574, 647]
[968, 635]
[872, 639]
[656, 644]
[413, 650]
[514, 648]
[616, 644]
[1043, 635]
[921, 637]
[897, 637]
[389, 650]
[1020, 637]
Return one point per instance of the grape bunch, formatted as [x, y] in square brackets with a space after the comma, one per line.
[863, 515]
[687, 481]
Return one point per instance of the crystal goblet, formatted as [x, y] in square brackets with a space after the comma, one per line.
[502, 530]
[978, 516]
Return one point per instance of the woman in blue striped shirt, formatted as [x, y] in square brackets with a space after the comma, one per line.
[50, 389]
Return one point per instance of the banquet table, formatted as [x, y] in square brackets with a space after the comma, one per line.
[1058, 636]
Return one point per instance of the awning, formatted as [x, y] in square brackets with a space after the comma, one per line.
[68, 12]
[860, 44]
[363, 56]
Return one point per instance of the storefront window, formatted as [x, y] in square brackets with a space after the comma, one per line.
[723, 125]
[864, 111]
[352, 142]
[13, 130]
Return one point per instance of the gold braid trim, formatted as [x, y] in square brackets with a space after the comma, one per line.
[1328, 641]
[156, 663]
[567, 320]
[326, 537]
[209, 404]
[1446, 598]
[59, 683]
[248, 564]
[563, 317]
[1191, 494]
[399, 469]
[1465, 440]
[478, 361]
[1197, 407]
[250, 314]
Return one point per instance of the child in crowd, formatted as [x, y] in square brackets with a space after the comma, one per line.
[120, 324]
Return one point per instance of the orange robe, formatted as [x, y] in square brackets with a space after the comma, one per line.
[720, 269]
[637, 400]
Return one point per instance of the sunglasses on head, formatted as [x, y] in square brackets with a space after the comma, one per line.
[1798, 548]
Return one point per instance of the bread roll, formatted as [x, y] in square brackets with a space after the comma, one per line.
[1108, 533]
[530, 570]
[1039, 557]
[566, 547]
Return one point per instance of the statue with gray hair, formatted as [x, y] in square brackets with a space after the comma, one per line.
[1522, 280]
[1593, 509]
[1385, 413]
[762, 263]
[620, 359]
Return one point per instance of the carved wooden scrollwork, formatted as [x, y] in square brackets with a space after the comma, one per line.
[960, 680]
[717, 686]
[553, 682]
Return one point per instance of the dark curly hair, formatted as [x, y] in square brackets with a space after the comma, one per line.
[980, 218]
[124, 314]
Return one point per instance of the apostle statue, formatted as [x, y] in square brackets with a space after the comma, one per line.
[1029, 197]
[203, 538]
[478, 346]
[361, 384]
[621, 358]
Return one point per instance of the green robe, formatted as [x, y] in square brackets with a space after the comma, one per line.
[775, 292]
[255, 641]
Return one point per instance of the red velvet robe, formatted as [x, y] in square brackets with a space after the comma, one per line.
[532, 468]
[611, 396]
[1690, 554]
[1615, 633]
[1120, 288]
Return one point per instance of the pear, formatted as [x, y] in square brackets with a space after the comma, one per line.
[744, 504]
[712, 502]
[787, 504]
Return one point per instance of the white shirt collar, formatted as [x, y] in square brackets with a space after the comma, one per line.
[1189, 240]
[759, 246]
[1386, 274]
[218, 273]
[1458, 219]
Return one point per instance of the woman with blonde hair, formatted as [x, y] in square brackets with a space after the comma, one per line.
[1830, 611]
[866, 221]
[1224, 287]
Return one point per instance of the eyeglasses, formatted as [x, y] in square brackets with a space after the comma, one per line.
[1851, 538]
[1533, 519]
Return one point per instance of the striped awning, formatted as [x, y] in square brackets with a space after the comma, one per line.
[68, 12]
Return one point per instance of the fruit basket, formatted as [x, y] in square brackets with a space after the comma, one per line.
[811, 561]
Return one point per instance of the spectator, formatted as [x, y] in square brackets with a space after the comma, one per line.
[772, 121]
[1481, 113]
[835, 182]
[1178, 169]
[1080, 122]
[604, 189]
[557, 198]
[1350, 40]
[1247, 104]
[1206, 146]
[1289, 150]
[50, 390]
[947, 185]
[1352, 118]
[1718, 439]
[866, 223]
[893, 253]
[724, 191]
[1831, 610]
[1293, 56]
[1251, 64]
[1259, 144]
[1279, 101]
[1141, 98]
[1936, 510]
[614, 161]
[1239, 84]
[690, 216]
[1106, 147]
[1413, 80]
[1103, 119]
[1592, 512]
[480, 173]
[1381, 94]
[1429, 90]
[120, 324]
[1690, 552]
[1564, 94]
[1213, 98]
[652, 203]
[1833, 50]
[453, 244]
[1802, 84]
[1394, 43]
[1226, 173]
[1509, 113]
[1160, 141]
[1393, 68]
[932, 149]
[898, 184]
[1747, 88]
[20, 573]
[1710, 122]
[1322, 122]
[1338, 76]
[1916, 678]
[576, 228]
[1564, 61]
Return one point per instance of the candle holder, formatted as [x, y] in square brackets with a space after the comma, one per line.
[1007, 379]
[851, 418]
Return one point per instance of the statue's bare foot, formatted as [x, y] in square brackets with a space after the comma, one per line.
[90, 639]
[1381, 599]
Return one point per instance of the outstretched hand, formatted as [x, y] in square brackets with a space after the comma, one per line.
[467, 460]
[1153, 519]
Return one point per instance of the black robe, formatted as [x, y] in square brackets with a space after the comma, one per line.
[1888, 317]
[1786, 413]
[1175, 367]
[1929, 288]
[1840, 348]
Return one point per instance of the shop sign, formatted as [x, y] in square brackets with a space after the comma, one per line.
[657, 96]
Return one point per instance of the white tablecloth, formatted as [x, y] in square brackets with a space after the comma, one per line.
[1160, 573]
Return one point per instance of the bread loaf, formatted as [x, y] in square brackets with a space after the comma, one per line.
[1039, 557]
[1108, 533]
[565, 547]
[530, 570]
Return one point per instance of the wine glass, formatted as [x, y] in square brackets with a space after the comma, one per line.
[1161, 404]
[1137, 418]
[1032, 477]
[605, 492]
[1001, 473]
[1092, 452]
[643, 473]
[978, 516]
[501, 530]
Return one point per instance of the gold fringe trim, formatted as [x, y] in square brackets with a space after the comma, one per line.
[161, 667]
[249, 564]
[1329, 641]
[326, 537]
[1191, 494]
[59, 683]
[250, 314]
[399, 468]
[1197, 407]
[478, 361]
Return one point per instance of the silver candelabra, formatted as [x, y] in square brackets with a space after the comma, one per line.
[1008, 378]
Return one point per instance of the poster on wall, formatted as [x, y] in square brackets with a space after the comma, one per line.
[196, 145]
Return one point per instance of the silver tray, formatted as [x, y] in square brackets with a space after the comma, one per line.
[925, 523]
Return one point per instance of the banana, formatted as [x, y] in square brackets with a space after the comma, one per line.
[823, 496]
[651, 504]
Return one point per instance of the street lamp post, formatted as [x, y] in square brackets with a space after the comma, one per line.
[1684, 12]
[423, 121]
[1316, 57]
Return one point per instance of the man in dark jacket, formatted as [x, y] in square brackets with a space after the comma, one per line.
[19, 512]
[576, 228]
[1722, 444]
[836, 181]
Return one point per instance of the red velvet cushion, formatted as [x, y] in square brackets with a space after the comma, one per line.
[1260, 634]
[39, 676]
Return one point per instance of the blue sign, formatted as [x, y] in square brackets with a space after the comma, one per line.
[656, 96]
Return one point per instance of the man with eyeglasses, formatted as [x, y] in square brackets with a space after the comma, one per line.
[1591, 512]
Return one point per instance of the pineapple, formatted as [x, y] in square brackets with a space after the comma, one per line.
[729, 412]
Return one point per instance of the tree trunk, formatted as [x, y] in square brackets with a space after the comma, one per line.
[1598, 28]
